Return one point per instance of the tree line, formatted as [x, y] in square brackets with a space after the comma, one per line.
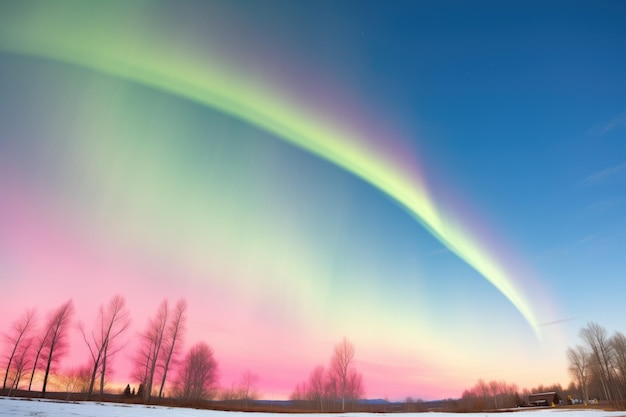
[34, 349]
[598, 366]
[493, 395]
[334, 388]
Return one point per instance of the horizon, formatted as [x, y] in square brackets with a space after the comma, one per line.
[440, 183]
[58, 408]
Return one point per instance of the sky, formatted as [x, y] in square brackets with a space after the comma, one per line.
[441, 182]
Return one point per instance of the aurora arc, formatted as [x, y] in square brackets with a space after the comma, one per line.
[222, 91]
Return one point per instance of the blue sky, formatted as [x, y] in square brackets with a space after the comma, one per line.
[519, 105]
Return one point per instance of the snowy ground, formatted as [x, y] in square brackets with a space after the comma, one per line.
[17, 407]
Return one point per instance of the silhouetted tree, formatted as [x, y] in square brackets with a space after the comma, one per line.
[150, 350]
[112, 322]
[18, 342]
[173, 339]
[55, 341]
[198, 374]
[39, 345]
[22, 362]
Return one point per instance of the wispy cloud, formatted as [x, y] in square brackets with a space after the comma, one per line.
[617, 122]
[604, 175]
[586, 239]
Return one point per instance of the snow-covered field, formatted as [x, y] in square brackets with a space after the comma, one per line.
[12, 407]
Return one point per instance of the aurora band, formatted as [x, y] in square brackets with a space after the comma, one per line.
[161, 69]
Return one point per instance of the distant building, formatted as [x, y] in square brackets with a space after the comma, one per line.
[544, 399]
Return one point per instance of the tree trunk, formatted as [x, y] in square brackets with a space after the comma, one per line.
[104, 369]
[45, 378]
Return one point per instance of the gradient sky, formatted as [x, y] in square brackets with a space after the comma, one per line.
[444, 183]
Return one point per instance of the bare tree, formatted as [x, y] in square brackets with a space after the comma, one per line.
[244, 390]
[493, 394]
[340, 366]
[355, 388]
[150, 351]
[112, 322]
[229, 394]
[55, 342]
[22, 362]
[618, 345]
[579, 368]
[75, 380]
[341, 381]
[331, 391]
[173, 339]
[247, 386]
[198, 374]
[494, 390]
[17, 340]
[299, 392]
[597, 341]
[83, 378]
[482, 388]
[39, 346]
[316, 386]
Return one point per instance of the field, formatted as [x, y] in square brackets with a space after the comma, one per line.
[20, 407]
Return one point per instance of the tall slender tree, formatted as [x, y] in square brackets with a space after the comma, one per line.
[579, 368]
[40, 343]
[112, 322]
[618, 346]
[173, 339]
[22, 362]
[597, 340]
[316, 386]
[17, 341]
[340, 366]
[150, 350]
[56, 340]
[331, 390]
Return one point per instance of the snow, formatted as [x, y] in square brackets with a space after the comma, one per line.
[21, 407]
